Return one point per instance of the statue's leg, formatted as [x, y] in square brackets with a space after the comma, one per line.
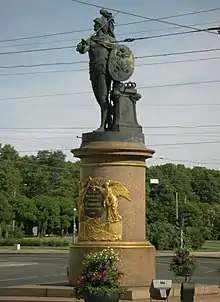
[101, 85]
[103, 95]
[100, 95]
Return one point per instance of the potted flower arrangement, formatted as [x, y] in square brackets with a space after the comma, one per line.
[100, 279]
[183, 263]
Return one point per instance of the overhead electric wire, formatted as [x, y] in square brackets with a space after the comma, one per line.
[150, 105]
[178, 53]
[124, 40]
[140, 16]
[185, 143]
[198, 162]
[153, 145]
[44, 64]
[123, 24]
[35, 50]
[90, 92]
[137, 57]
[148, 134]
[25, 162]
[164, 35]
[54, 138]
[86, 69]
[120, 34]
[90, 127]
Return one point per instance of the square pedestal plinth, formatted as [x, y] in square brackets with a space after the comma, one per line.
[138, 260]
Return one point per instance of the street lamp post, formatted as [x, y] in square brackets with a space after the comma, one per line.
[177, 218]
[74, 225]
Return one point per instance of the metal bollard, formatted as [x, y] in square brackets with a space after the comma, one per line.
[187, 292]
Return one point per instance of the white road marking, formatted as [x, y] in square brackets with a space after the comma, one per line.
[11, 264]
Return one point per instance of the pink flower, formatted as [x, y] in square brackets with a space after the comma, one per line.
[81, 280]
[117, 282]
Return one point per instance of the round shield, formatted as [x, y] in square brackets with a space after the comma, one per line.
[121, 63]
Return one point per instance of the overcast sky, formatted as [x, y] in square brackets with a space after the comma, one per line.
[46, 122]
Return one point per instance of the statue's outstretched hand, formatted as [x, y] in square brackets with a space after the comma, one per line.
[82, 47]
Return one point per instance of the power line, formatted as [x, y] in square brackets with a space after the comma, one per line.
[167, 35]
[189, 161]
[120, 34]
[123, 24]
[54, 138]
[151, 105]
[90, 92]
[165, 28]
[44, 64]
[180, 84]
[186, 143]
[150, 146]
[90, 127]
[36, 50]
[26, 163]
[124, 40]
[178, 53]
[137, 58]
[140, 16]
[86, 69]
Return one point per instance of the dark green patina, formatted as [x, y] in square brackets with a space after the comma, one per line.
[110, 65]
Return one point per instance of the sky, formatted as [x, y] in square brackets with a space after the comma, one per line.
[181, 123]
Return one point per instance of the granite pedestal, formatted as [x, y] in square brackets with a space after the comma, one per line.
[122, 161]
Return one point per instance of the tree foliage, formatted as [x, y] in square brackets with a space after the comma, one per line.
[41, 191]
[37, 191]
[198, 196]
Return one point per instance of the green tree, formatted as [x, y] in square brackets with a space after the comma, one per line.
[66, 214]
[47, 214]
[206, 184]
[9, 173]
[25, 211]
[163, 235]
[6, 216]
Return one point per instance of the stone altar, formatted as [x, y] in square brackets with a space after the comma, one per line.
[111, 203]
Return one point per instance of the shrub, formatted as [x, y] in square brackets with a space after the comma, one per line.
[182, 260]
[38, 242]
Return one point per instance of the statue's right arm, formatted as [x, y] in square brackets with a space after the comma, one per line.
[83, 46]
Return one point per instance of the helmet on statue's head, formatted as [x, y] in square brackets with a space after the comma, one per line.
[102, 22]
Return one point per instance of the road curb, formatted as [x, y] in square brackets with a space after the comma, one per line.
[33, 252]
[197, 255]
[62, 252]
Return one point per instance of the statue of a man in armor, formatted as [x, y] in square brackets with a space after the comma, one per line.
[99, 46]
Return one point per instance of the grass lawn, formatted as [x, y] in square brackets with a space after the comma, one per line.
[211, 246]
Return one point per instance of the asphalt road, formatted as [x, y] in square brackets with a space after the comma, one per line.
[51, 268]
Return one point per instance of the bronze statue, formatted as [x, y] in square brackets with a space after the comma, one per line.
[99, 46]
[109, 63]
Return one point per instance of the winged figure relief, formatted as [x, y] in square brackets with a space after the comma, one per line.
[112, 191]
